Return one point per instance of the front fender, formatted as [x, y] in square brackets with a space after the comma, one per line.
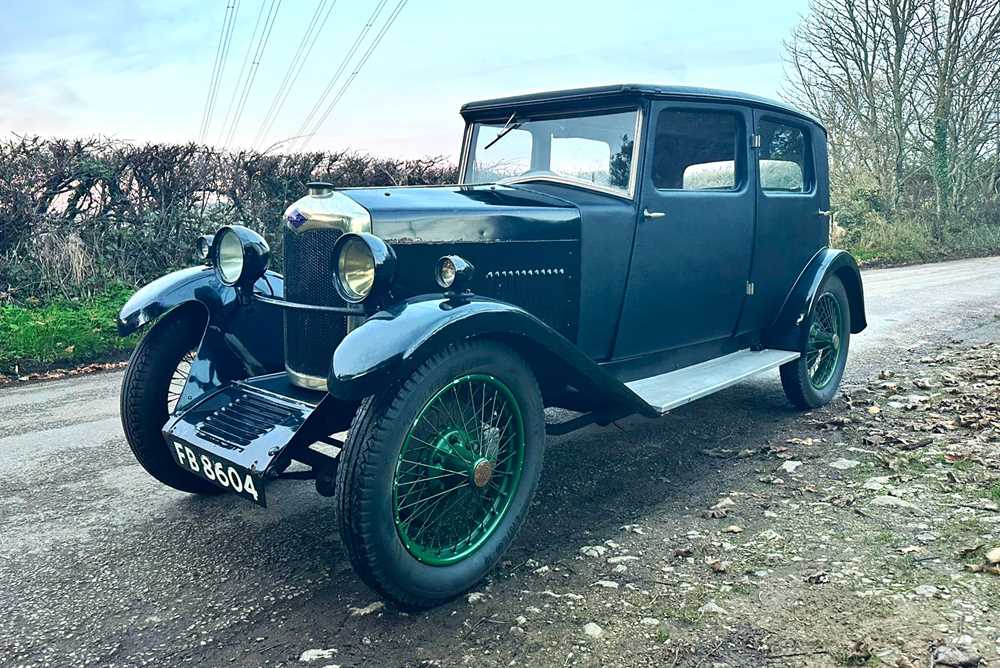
[239, 340]
[194, 284]
[390, 344]
[787, 332]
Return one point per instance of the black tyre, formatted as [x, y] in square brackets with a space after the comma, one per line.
[438, 472]
[153, 379]
[813, 379]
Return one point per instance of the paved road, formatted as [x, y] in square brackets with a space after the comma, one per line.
[101, 565]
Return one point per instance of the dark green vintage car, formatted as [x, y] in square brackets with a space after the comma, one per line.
[610, 251]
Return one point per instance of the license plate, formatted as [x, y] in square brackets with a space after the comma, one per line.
[218, 471]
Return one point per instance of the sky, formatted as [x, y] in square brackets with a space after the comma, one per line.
[140, 70]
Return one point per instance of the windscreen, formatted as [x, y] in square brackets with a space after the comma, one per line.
[595, 150]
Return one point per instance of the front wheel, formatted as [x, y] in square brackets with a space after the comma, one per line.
[154, 378]
[438, 472]
[812, 380]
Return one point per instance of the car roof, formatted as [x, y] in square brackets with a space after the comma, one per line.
[597, 93]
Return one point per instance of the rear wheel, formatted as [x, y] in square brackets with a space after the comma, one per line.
[153, 381]
[437, 473]
[813, 379]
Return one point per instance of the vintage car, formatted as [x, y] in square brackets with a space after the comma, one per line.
[608, 251]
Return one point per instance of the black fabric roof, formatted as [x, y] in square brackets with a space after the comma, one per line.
[598, 93]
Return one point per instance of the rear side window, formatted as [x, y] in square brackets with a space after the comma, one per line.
[697, 150]
[783, 158]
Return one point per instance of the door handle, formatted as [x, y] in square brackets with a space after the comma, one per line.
[650, 215]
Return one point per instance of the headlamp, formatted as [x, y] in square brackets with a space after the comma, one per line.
[364, 265]
[453, 272]
[240, 255]
[203, 246]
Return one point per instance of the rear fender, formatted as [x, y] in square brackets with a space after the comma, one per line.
[392, 343]
[787, 331]
[239, 340]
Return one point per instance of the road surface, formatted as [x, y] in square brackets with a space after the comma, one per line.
[100, 565]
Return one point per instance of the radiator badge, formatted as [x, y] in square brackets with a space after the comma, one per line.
[295, 219]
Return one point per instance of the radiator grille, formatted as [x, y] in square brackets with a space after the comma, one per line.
[310, 337]
[239, 423]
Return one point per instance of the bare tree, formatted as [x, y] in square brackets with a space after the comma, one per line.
[909, 90]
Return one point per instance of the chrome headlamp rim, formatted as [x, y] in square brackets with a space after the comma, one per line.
[235, 243]
[445, 272]
[379, 256]
[453, 272]
[227, 256]
[355, 269]
[203, 247]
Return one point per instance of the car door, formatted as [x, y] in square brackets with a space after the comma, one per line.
[791, 199]
[694, 238]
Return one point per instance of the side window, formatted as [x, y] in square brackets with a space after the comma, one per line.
[783, 158]
[698, 150]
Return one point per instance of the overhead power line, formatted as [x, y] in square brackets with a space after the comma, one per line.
[219, 65]
[255, 67]
[251, 73]
[340, 69]
[357, 69]
[299, 60]
[237, 89]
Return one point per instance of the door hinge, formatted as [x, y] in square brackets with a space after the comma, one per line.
[750, 288]
[755, 141]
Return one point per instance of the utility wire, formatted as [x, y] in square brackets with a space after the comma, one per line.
[225, 59]
[295, 68]
[255, 66]
[215, 70]
[240, 80]
[291, 68]
[357, 69]
[218, 67]
[340, 70]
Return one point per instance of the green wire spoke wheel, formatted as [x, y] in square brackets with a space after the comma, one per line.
[824, 345]
[812, 380]
[458, 469]
[438, 471]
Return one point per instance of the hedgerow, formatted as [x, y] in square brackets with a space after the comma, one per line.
[77, 216]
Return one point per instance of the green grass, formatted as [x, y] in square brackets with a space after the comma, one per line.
[63, 332]
[687, 611]
[995, 492]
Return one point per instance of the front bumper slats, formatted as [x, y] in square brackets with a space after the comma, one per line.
[245, 419]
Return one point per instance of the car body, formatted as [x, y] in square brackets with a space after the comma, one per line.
[611, 251]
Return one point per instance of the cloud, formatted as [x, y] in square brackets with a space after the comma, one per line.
[114, 34]
[68, 67]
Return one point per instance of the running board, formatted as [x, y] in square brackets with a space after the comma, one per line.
[670, 390]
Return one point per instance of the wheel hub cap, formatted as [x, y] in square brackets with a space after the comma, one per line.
[482, 472]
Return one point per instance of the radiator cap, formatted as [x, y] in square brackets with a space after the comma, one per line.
[320, 188]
